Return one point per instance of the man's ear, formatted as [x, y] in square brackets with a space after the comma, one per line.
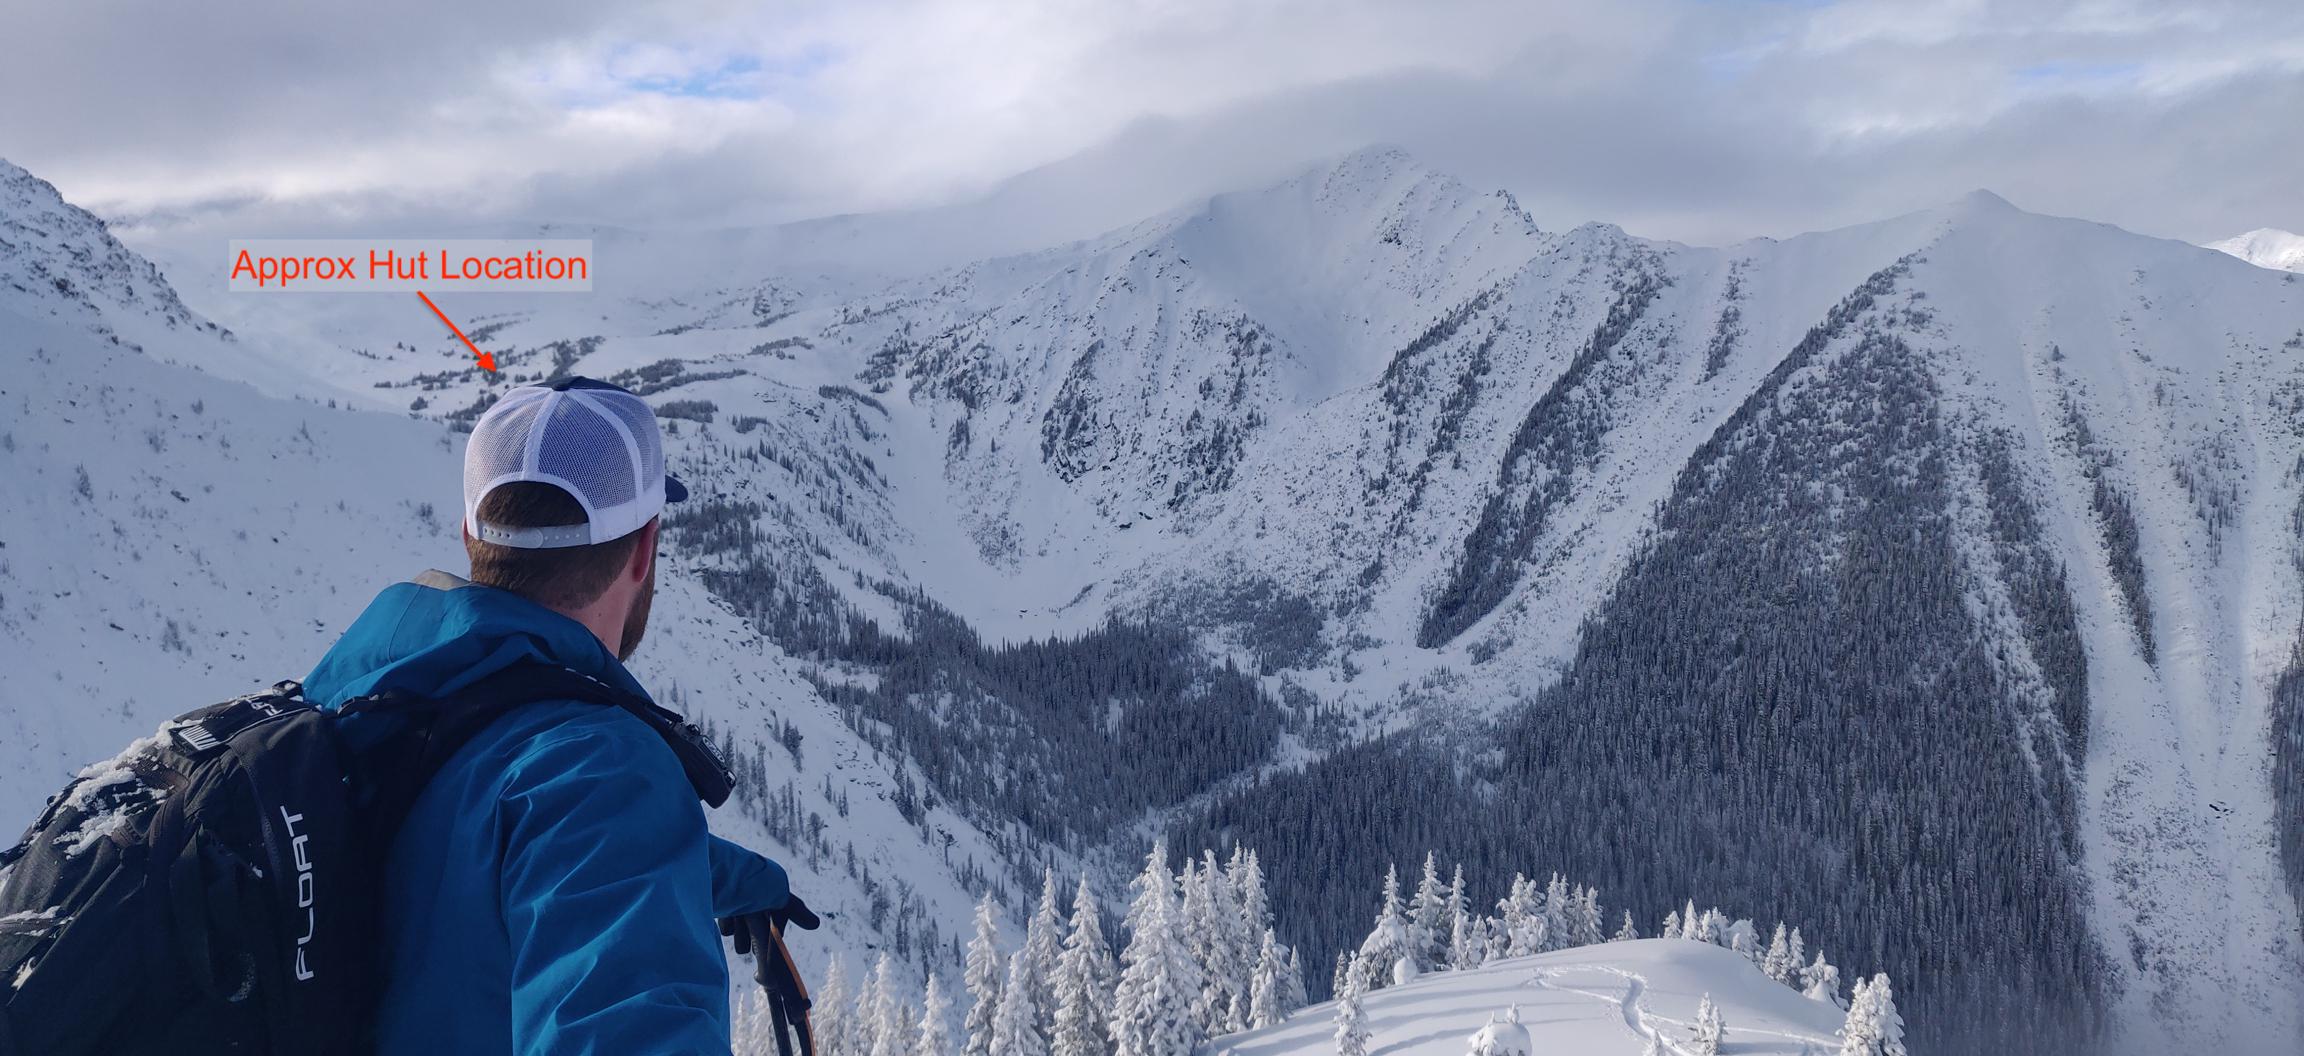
[643, 552]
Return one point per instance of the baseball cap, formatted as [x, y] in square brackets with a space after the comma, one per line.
[596, 441]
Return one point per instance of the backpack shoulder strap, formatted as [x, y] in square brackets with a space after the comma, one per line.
[424, 732]
[491, 697]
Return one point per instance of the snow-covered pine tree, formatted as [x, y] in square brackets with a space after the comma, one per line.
[752, 1027]
[1712, 927]
[1465, 950]
[1495, 938]
[1453, 910]
[1268, 993]
[885, 1019]
[1085, 976]
[1777, 963]
[1387, 941]
[1629, 931]
[1231, 955]
[832, 1017]
[935, 1037]
[1587, 920]
[1558, 912]
[1152, 1006]
[1743, 938]
[1672, 928]
[1526, 931]
[1427, 918]
[1351, 1019]
[1043, 944]
[1821, 982]
[1873, 1027]
[1015, 1025]
[981, 977]
[1247, 876]
[1292, 975]
[1709, 1029]
[1343, 973]
[1691, 923]
[1796, 956]
[1203, 942]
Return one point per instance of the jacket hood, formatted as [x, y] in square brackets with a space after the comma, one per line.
[438, 633]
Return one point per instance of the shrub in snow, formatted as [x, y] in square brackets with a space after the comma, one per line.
[1709, 1029]
[1404, 971]
[1821, 982]
[1503, 1036]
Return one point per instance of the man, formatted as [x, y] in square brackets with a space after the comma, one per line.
[553, 888]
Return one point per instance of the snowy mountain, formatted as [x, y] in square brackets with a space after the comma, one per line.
[1882, 579]
[1606, 1000]
[2265, 247]
[173, 538]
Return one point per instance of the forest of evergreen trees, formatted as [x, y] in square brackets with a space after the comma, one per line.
[1200, 958]
[1784, 703]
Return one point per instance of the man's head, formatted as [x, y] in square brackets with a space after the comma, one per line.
[562, 488]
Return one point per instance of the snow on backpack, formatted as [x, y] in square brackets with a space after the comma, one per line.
[213, 888]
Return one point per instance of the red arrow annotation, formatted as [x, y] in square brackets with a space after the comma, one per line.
[487, 362]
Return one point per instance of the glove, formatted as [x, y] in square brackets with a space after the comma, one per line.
[755, 934]
[750, 931]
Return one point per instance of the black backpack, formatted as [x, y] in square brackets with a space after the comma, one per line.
[213, 889]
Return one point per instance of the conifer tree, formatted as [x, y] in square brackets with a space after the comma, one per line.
[1672, 928]
[1587, 918]
[832, 1017]
[1268, 996]
[1465, 950]
[1821, 982]
[1709, 1029]
[935, 1037]
[1558, 912]
[1428, 919]
[1351, 1019]
[1230, 959]
[1043, 945]
[1016, 1024]
[1629, 931]
[1085, 976]
[1387, 941]
[1293, 996]
[1873, 1027]
[1152, 1007]
[884, 1018]
[982, 979]
[1777, 963]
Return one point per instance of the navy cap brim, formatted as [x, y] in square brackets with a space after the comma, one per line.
[674, 491]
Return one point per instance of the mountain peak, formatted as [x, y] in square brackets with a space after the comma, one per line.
[2265, 247]
[1982, 201]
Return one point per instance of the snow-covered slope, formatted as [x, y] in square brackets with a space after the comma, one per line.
[1606, 1000]
[2265, 247]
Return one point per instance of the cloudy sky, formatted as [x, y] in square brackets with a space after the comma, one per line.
[1703, 120]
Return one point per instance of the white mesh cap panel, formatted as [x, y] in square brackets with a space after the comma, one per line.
[599, 444]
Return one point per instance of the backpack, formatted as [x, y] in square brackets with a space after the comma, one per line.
[213, 889]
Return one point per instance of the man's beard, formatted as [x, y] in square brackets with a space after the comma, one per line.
[636, 622]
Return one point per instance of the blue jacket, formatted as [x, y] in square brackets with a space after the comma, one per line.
[553, 889]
